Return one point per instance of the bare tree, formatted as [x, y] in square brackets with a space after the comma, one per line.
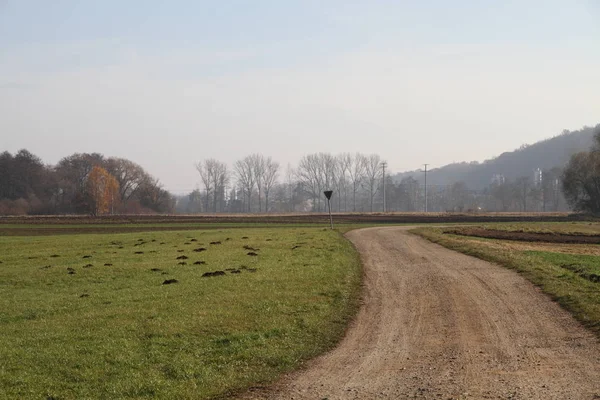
[521, 191]
[408, 192]
[258, 169]
[153, 196]
[215, 176]
[270, 178]
[327, 167]
[343, 165]
[194, 202]
[316, 173]
[290, 183]
[220, 179]
[73, 172]
[308, 175]
[205, 170]
[551, 188]
[244, 171]
[129, 175]
[356, 171]
[502, 192]
[373, 173]
[581, 178]
[459, 196]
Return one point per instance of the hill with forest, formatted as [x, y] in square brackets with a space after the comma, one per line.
[547, 154]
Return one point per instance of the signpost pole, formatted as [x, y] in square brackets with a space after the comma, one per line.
[330, 217]
[328, 194]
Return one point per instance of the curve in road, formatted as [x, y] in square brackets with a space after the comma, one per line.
[437, 324]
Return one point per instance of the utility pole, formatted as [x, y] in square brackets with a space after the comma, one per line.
[426, 187]
[383, 165]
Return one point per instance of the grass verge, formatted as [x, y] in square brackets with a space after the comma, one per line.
[569, 279]
[89, 316]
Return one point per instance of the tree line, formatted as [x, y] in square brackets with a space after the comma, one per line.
[538, 192]
[581, 179]
[258, 184]
[82, 183]
[90, 183]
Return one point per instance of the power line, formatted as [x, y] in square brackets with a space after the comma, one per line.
[426, 186]
[383, 165]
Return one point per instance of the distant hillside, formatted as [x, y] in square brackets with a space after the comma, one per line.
[546, 154]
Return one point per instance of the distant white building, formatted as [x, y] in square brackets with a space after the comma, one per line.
[498, 179]
[537, 177]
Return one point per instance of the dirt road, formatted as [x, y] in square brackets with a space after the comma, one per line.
[436, 324]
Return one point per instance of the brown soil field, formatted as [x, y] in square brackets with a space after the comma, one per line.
[547, 237]
[82, 224]
[383, 218]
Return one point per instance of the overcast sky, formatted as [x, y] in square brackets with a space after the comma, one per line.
[169, 83]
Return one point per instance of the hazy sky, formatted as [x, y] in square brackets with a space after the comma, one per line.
[169, 83]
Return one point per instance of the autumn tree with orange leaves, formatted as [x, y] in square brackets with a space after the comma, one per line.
[103, 191]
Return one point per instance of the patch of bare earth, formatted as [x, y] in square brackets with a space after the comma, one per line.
[547, 237]
[436, 324]
[584, 249]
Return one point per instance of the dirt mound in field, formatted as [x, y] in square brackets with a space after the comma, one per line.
[211, 274]
[521, 236]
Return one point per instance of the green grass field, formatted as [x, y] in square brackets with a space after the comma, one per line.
[84, 316]
[573, 280]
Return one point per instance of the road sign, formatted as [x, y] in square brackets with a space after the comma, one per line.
[328, 194]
